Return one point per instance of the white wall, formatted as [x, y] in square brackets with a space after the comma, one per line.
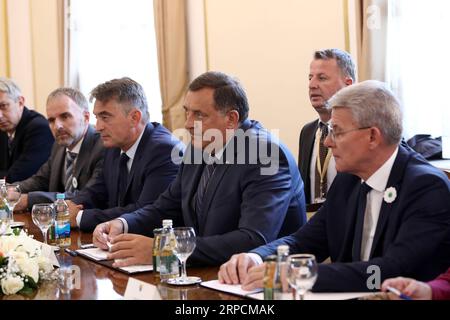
[268, 45]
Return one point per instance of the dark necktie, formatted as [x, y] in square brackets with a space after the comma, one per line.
[123, 178]
[70, 163]
[323, 151]
[361, 209]
[208, 171]
[10, 142]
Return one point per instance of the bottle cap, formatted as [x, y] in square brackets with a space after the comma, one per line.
[282, 249]
[167, 223]
[60, 196]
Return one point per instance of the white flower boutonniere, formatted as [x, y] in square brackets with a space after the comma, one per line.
[390, 194]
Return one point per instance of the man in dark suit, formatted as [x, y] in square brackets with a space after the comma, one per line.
[25, 138]
[330, 71]
[77, 155]
[234, 196]
[387, 213]
[141, 161]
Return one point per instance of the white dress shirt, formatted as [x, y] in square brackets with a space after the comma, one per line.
[131, 153]
[378, 182]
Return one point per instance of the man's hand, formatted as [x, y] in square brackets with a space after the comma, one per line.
[410, 287]
[73, 210]
[236, 269]
[111, 229]
[129, 249]
[22, 204]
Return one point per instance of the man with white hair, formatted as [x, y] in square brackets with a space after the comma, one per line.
[25, 138]
[387, 213]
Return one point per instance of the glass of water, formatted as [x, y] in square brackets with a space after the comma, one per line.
[185, 245]
[302, 273]
[43, 216]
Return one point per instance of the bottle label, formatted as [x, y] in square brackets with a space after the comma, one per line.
[63, 233]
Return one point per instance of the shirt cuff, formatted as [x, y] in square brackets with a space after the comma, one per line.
[78, 218]
[255, 257]
[125, 224]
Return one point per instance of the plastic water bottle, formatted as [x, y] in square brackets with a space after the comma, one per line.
[62, 225]
[282, 256]
[5, 216]
[169, 266]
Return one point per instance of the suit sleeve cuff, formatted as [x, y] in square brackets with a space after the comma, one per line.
[125, 224]
[78, 218]
[255, 257]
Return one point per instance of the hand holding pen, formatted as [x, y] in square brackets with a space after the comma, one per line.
[407, 289]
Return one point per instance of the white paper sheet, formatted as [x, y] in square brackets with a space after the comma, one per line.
[259, 295]
[94, 253]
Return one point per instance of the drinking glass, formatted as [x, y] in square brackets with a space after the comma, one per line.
[185, 245]
[302, 273]
[43, 216]
[11, 193]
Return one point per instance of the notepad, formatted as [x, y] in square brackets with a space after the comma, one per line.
[100, 256]
[259, 295]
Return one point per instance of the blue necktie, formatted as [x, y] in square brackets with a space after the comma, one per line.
[123, 178]
[362, 199]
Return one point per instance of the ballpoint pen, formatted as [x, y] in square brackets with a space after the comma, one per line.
[71, 252]
[398, 293]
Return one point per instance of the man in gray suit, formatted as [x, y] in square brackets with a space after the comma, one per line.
[77, 154]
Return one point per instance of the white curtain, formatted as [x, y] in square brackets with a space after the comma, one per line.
[418, 66]
[113, 39]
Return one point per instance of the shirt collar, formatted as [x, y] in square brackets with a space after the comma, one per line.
[132, 151]
[378, 180]
[77, 147]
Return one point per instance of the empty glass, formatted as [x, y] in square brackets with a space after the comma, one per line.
[302, 273]
[11, 193]
[43, 216]
[185, 245]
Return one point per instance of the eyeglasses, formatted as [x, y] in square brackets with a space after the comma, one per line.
[333, 135]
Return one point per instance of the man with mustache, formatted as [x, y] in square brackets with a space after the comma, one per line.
[141, 161]
[330, 71]
[77, 154]
[25, 138]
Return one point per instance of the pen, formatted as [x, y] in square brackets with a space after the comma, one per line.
[105, 236]
[398, 293]
[71, 252]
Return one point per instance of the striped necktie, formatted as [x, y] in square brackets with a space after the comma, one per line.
[323, 151]
[208, 171]
[70, 163]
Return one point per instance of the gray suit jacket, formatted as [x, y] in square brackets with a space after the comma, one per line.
[43, 186]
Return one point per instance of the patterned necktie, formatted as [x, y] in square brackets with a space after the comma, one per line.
[323, 151]
[208, 171]
[123, 178]
[70, 163]
[360, 214]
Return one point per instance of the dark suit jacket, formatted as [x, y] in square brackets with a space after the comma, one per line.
[43, 186]
[305, 150]
[412, 237]
[151, 173]
[31, 147]
[244, 208]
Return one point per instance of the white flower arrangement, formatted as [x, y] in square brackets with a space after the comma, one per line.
[390, 194]
[22, 264]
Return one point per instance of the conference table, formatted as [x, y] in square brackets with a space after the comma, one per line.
[99, 282]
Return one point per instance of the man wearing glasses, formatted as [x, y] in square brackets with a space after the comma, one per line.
[25, 137]
[387, 213]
